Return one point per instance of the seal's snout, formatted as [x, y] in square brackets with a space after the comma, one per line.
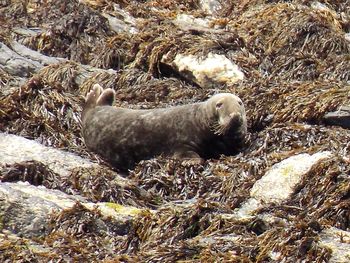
[236, 119]
[237, 125]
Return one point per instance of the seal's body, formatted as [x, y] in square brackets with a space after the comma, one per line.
[126, 136]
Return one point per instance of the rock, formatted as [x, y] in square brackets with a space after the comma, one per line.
[15, 149]
[319, 6]
[15, 64]
[294, 56]
[280, 182]
[114, 210]
[188, 22]
[9, 83]
[21, 61]
[247, 209]
[121, 21]
[34, 55]
[210, 6]
[208, 72]
[118, 25]
[339, 242]
[25, 209]
[341, 117]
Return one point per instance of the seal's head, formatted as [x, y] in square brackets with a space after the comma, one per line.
[229, 115]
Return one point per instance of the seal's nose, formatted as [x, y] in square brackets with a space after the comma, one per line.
[236, 118]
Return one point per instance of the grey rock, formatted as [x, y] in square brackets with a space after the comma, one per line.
[15, 149]
[341, 117]
[25, 209]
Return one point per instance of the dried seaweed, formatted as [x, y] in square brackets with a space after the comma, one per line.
[293, 40]
[168, 179]
[116, 52]
[13, 250]
[166, 40]
[101, 185]
[76, 232]
[40, 111]
[280, 102]
[69, 28]
[33, 172]
[331, 181]
[295, 57]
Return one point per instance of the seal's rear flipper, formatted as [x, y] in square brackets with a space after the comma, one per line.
[93, 95]
[91, 99]
[106, 98]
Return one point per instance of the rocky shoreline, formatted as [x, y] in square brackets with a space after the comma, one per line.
[284, 198]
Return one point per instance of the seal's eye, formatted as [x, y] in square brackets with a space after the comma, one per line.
[218, 105]
[240, 103]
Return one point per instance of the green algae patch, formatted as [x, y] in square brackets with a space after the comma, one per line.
[124, 210]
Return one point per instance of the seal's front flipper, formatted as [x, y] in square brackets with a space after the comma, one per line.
[188, 157]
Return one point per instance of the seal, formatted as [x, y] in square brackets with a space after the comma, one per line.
[200, 130]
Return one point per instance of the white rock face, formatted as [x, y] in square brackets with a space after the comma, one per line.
[15, 149]
[210, 71]
[280, 182]
[184, 19]
[210, 6]
[319, 6]
[190, 23]
[331, 238]
[61, 200]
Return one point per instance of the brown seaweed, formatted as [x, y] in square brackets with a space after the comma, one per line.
[295, 57]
